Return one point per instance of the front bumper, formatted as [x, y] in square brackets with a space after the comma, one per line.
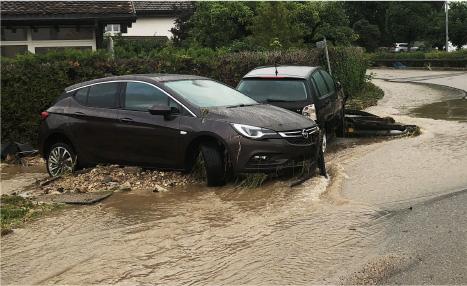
[270, 155]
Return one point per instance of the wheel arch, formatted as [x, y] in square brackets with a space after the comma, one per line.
[193, 148]
[54, 138]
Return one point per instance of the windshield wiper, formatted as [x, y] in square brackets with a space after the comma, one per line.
[241, 105]
[276, 100]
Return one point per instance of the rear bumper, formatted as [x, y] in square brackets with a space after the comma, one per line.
[271, 155]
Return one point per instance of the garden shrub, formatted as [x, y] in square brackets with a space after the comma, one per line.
[30, 83]
[421, 59]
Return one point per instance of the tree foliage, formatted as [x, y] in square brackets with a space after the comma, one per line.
[274, 22]
[218, 24]
[368, 34]
[458, 23]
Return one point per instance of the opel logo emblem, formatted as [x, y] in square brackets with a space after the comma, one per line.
[305, 133]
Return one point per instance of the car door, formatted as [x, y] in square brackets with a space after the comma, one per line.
[93, 113]
[324, 101]
[147, 139]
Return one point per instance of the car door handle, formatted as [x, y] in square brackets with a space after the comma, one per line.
[126, 120]
[79, 113]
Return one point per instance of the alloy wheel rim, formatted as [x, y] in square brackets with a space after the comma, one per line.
[324, 143]
[60, 161]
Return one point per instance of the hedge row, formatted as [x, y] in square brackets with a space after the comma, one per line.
[456, 59]
[30, 83]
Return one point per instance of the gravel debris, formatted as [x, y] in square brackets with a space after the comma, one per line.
[115, 178]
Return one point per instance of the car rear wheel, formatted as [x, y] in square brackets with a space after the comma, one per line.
[61, 159]
[341, 124]
[213, 164]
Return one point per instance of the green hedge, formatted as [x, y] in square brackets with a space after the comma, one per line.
[30, 83]
[421, 59]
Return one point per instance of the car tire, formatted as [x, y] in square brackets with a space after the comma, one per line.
[341, 124]
[214, 164]
[60, 159]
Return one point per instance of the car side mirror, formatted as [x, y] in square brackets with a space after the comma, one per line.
[338, 85]
[160, 109]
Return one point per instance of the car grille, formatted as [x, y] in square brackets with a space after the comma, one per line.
[297, 136]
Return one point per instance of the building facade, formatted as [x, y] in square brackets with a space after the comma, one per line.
[41, 26]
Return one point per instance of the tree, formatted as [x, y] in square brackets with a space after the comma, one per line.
[372, 11]
[368, 34]
[458, 23]
[324, 19]
[182, 25]
[218, 24]
[411, 21]
[274, 22]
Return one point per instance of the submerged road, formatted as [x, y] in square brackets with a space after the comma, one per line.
[392, 212]
[421, 182]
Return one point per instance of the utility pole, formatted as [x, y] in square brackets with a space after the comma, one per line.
[446, 9]
[327, 55]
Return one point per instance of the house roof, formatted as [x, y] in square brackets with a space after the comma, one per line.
[44, 10]
[161, 7]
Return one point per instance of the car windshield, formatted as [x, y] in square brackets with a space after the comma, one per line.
[206, 93]
[270, 90]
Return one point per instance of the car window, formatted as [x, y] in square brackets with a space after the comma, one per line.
[320, 84]
[329, 81]
[264, 90]
[81, 95]
[208, 93]
[141, 96]
[103, 95]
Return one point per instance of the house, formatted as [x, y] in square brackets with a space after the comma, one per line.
[154, 19]
[40, 26]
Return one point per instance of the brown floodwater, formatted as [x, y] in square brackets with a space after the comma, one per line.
[274, 234]
[454, 109]
[269, 235]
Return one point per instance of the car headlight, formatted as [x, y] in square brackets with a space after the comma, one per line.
[309, 111]
[253, 132]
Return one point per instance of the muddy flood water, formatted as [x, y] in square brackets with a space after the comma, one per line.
[313, 233]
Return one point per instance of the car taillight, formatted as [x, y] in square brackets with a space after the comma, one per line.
[44, 115]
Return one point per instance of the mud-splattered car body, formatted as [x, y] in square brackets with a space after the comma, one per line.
[115, 120]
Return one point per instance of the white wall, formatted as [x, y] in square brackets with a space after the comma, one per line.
[159, 26]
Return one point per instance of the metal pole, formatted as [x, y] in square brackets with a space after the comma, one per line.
[446, 9]
[327, 55]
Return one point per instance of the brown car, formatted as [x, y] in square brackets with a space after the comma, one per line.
[165, 121]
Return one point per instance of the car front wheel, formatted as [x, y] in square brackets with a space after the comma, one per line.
[214, 164]
[61, 159]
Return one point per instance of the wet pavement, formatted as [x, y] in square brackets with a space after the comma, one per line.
[318, 232]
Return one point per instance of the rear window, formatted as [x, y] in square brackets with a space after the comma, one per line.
[104, 95]
[270, 90]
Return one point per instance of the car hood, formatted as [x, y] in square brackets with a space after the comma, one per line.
[261, 115]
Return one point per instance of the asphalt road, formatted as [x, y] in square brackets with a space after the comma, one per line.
[425, 236]
[433, 236]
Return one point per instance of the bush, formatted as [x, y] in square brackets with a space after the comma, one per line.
[421, 59]
[30, 83]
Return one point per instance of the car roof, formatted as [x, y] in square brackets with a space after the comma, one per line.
[282, 71]
[158, 77]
